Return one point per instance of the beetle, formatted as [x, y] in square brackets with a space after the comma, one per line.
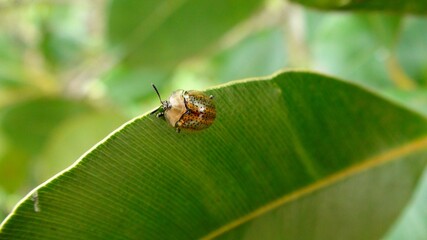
[190, 110]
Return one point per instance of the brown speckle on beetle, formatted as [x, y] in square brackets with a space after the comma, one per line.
[191, 110]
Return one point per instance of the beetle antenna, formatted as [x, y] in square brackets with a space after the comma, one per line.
[157, 91]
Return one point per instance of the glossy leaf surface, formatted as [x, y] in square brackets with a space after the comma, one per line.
[408, 6]
[162, 33]
[297, 155]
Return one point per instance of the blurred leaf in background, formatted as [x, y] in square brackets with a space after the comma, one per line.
[44, 49]
[260, 53]
[73, 71]
[163, 33]
[409, 6]
[360, 48]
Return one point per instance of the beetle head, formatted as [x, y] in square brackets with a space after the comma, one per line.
[162, 108]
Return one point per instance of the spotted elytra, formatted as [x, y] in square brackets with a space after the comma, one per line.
[190, 110]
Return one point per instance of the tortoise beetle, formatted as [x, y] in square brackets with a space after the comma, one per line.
[190, 110]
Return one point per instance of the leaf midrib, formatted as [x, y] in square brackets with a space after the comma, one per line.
[380, 159]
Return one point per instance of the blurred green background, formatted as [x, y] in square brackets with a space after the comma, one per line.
[73, 71]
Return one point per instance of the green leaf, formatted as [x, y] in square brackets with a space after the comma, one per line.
[413, 223]
[408, 6]
[127, 86]
[72, 138]
[259, 54]
[362, 59]
[28, 124]
[414, 99]
[10, 62]
[294, 156]
[163, 33]
[412, 50]
[66, 38]
[14, 165]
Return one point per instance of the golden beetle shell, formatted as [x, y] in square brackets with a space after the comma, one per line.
[191, 110]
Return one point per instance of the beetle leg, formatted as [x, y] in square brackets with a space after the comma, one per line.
[155, 110]
[160, 114]
[178, 130]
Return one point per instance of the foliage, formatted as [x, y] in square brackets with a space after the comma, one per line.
[73, 71]
[218, 183]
